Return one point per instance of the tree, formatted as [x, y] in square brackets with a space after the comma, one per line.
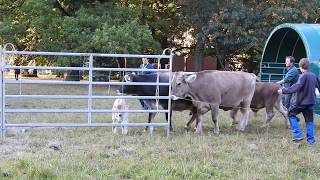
[161, 17]
[237, 30]
[82, 26]
[199, 15]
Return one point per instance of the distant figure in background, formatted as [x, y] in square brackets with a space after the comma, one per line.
[291, 77]
[16, 73]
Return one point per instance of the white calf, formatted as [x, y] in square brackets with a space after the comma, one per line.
[120, 117]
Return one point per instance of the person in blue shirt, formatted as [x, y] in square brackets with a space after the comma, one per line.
[145, 65]
[305, 100]
[291, 77]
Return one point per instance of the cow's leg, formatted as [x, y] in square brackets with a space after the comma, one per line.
[201, 110]
[269, 116]
[233, 115]
[114, 121]
[199, 124]
[171, 129]
[150, 117]
[125, 121]
[283, 110]
[193, 117]
[245, 110]
[215, 114]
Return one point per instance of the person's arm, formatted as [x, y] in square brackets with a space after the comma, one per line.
[318, 84]
[282, 81]
[296, 87]
[149, 66]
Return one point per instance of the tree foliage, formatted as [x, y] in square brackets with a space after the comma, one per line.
[231, 29]
[77, 26]
[234, 31]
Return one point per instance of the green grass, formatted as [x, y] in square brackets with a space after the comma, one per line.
[95, 153]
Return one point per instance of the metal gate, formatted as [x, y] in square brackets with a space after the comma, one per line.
[5, 123]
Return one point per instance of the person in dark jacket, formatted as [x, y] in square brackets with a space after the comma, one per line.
[305, 100]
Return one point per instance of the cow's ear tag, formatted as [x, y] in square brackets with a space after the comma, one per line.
[127, 78]
[190, 78]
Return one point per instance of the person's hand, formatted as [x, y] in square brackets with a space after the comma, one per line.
[280, 82]
[280, 91]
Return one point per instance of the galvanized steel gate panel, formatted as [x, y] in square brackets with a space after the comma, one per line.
[4, 81]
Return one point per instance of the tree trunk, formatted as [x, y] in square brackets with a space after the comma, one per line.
[220, 56]
[35, 73]
[199, 52]
[73, 75]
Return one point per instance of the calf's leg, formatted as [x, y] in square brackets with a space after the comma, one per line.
[283, 110]
[269, 116]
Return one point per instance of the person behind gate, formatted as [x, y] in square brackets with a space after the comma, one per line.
[145, 65]
[16, 73]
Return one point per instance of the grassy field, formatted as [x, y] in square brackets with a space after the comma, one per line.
[95, 153]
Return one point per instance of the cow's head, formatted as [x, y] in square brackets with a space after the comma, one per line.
[180, 84]
[128, 89]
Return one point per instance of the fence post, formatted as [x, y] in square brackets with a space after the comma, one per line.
[90, 89]
[3, 63]
[169, 100]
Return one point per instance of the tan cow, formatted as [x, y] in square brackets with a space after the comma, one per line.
[214, 89]
[266, 96]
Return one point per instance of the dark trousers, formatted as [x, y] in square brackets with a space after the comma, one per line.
[306, 110]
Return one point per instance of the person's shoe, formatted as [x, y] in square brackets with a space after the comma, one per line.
[297, 139]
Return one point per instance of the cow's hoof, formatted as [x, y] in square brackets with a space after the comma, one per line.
[240, 129]
[216, 133]
[187, 127]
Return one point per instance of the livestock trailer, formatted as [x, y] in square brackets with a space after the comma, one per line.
[297, 40]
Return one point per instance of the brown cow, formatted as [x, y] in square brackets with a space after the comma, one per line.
[214, 89]
[266, 96]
